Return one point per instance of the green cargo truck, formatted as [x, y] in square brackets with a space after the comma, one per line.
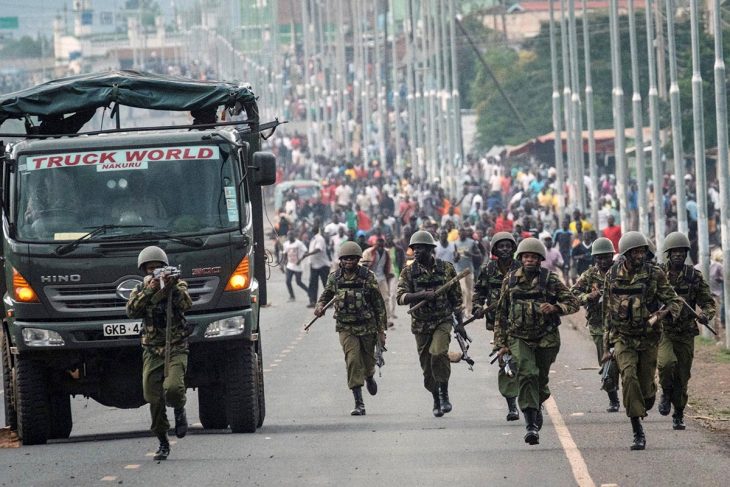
[77, 207]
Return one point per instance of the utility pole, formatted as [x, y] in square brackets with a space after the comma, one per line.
[638, 125]
[657, 166]
[622, 170]
[590, 119]
[698, 123]
[577, 111]
[567, 100]
[677, 145]
[455, 94]
[722, 160]
[558, 142]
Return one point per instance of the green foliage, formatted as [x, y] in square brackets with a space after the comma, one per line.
[525, 76]
[25, 47]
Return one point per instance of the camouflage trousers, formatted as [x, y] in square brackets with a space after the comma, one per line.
[359, 356]
[637, 366]
[508, 386]
[675, 364]
[161, 391]
[533, 369]
[433, 353]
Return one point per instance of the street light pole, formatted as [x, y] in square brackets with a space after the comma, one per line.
[657, 167]
[638, 125]
[722, 161]
[558, 142]
[590, 119]
[577, 111]
[698, 123]
[567, 100]
[622, 172]
[677, 146]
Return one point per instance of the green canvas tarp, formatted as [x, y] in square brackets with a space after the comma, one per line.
[83, 94]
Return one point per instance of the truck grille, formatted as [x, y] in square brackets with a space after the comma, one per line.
[103, 297]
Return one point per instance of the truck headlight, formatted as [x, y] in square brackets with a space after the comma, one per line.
[226, 327]
[37, 337]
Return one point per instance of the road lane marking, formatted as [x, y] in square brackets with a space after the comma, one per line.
[150, 454]
[577, 463]
[133, 466]
[108, 478]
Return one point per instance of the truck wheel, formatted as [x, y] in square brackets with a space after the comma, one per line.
[11, 419]
[32, 402]
[212, 407]
[241, 388]
[61, 421]
[262, 398]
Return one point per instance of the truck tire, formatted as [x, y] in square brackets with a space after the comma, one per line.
[61, 421]
[242, 403]
[11, 418]
[212, 407]
[32, 402]
[260, 392]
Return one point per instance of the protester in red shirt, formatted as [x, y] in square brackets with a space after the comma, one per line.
[363, 220]
[612, 232]
[503, 223]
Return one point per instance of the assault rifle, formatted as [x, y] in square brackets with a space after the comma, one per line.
[161, 273]
[461, 275]
[486, 310]
[463, 339]
[379, 360]
[608, 373]
[508, 364]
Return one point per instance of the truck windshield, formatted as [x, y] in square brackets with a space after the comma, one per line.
[182, 190]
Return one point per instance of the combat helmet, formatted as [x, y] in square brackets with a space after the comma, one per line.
[533, 246]
[602, 246]
[422, 237]
[631, 240]
[676, 240]
[350, 249]
[151, 254]
[499, 236]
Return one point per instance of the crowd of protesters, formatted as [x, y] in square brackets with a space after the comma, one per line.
[379, 209]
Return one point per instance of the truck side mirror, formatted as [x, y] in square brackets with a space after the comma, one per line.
[264, 168]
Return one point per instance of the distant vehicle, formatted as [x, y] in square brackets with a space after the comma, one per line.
[306, 189]
[77, 208]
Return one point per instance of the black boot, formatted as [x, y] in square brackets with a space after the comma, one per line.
[613, 403]
[678, 419]
[665, 403]
[359, 404]
[181, 423]
[444, 397]
[639, 438]
[538, 418]
[512, 413]
[437, 404]
[164, 450]
[372, 386]
[532, 436]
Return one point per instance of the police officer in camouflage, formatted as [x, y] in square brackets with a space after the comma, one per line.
[589, 290]
[633, 294]
[486, 295]
[149, 301]
[528, 315]
[361, 318]
[676, 347]
[432, 323]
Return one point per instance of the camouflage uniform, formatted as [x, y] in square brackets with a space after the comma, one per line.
[151, 306]
[676, 348]
[486, 292]
[432, 323]
[628, 302]
[533, 339]
[360, 314]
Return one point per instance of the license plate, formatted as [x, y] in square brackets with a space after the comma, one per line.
[122, 329]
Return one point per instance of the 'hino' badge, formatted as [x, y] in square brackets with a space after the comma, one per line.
[125, 288]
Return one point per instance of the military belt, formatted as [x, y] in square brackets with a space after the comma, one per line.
[350, 285]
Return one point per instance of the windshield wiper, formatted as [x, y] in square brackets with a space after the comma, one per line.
[165, 234]
[71, 246]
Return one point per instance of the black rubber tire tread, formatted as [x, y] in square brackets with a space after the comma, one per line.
[212, 407]
[260, 391]
[241, 386]
[11, 418]
[33, 408]
[61, 422]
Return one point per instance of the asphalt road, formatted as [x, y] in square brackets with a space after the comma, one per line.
[309, 438]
